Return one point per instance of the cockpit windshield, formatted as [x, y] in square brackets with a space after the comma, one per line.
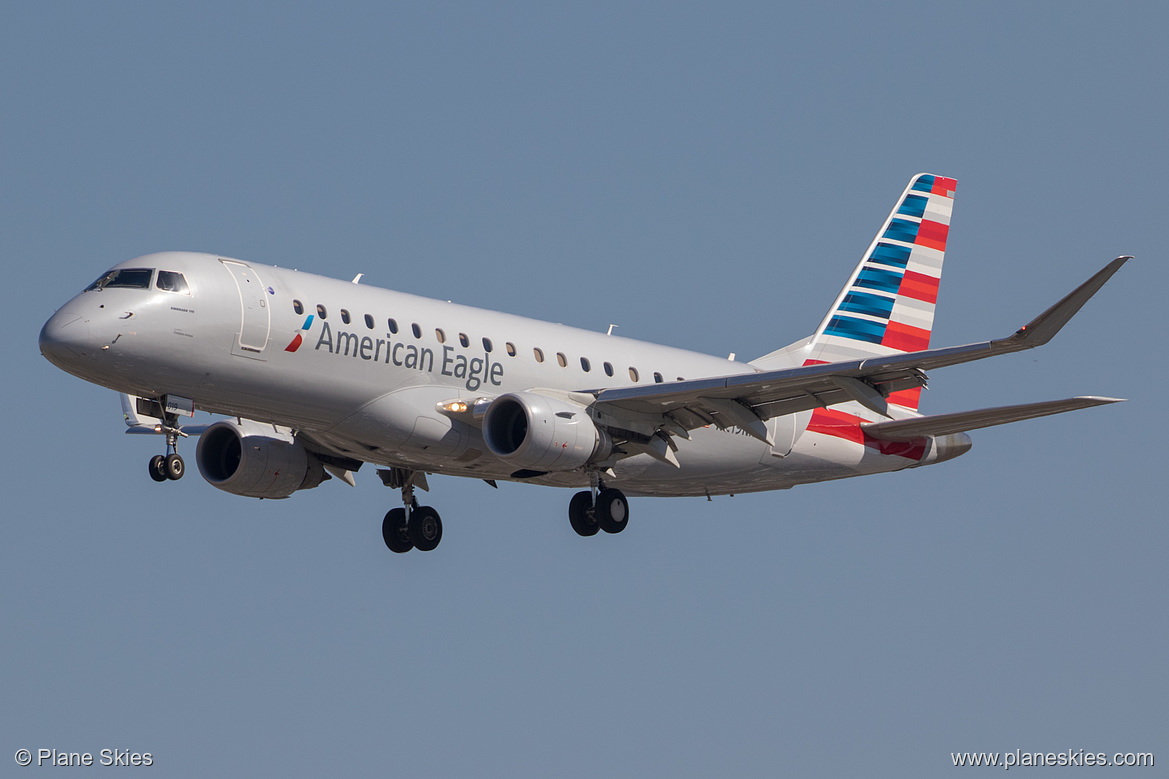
[172, 281]
[136, 278]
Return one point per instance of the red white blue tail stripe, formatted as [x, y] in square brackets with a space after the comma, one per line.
[887, 306]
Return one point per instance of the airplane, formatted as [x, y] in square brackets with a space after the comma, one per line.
[316, 376]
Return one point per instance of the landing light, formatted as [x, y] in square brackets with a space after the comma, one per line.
[464, 409]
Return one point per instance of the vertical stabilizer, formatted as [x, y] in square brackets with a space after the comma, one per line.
[887, 306]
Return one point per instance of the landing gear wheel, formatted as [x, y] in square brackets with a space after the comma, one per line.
[425, 528]
[581, 514]
[173, 467]
[396, 532]
[158, 467]
[612, 510]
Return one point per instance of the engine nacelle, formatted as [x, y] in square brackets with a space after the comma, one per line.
[540, 433]
[256, 460]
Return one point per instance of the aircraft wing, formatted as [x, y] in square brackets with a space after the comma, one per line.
[745, 400]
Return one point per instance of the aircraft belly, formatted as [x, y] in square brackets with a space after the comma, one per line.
[714, 464]
[714, 461]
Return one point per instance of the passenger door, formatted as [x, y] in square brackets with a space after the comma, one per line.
[255, 315]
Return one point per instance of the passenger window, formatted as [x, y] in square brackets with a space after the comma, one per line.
[608, 369]
[584, 364]
[464, 340]
[345, 315]
[393, 325]
[633, 374]
[487, 344]
[440, 335]
[417, 330]
[560, 358]
[298, 307]
[135, 278]
[539, 354]
[369, 321]
[510, 349]
[657, 377]
[170, 281]
[321, 312]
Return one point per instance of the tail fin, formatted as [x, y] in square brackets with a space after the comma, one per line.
[887, 306]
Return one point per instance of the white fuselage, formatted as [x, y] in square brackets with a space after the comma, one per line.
[359, 371]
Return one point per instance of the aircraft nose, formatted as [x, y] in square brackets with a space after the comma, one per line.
[65, 338]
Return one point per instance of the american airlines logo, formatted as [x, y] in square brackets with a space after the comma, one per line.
[473, 371]
[298, 340]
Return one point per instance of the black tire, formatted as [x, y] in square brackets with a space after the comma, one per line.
[425, 528]
[158, 467]
[396, 532]
[581, 514]
[174, 467]
[612, 510]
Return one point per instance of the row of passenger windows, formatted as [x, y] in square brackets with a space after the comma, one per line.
[488, 346]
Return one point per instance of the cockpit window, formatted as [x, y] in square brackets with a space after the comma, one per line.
[136, 278]
[172, 281]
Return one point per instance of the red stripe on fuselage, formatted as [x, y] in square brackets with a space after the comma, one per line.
[847, 426]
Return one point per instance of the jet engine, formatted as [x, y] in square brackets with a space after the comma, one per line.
[539, 433]
[256, 460]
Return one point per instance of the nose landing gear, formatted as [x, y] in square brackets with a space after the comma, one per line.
[169, 466]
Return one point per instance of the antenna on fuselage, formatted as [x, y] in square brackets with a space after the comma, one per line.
[611, 329]
[357, 278]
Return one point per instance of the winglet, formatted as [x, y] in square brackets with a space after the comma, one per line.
[1043, 328]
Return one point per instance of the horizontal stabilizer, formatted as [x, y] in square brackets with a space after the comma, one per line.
[945, 424]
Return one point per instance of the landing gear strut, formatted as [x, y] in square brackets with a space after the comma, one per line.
[414, 526]
[599, 508]
[169, 466]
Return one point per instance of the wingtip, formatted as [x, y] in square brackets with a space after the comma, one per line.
[1042, 328]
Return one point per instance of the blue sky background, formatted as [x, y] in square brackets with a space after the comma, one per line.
[704, 175]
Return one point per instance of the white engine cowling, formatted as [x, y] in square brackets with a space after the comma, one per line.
[540, 433]
[256, 460]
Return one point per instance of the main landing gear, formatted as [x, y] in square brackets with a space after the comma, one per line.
[419, 527]
[414, 526]
[599, 508]
[169, 466]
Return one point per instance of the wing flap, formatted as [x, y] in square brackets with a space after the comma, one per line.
[964, 421]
